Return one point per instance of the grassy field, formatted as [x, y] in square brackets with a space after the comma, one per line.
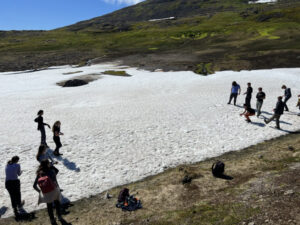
[265, 189]
[240, 37]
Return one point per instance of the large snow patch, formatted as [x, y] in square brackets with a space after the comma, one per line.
[120, 129]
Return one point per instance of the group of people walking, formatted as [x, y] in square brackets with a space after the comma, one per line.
[280, 107]
[45, 183]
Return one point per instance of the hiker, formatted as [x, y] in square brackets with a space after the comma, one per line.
[13, 185]
[56, 138]
[235, 91]
[248, 94]
[248, 112]
[43, 154]
[41, 127]
[298, 104]
[287, 95]
[46, 185]
[260, 96]
[278, 111]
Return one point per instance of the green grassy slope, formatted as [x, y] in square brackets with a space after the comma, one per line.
[240, 36]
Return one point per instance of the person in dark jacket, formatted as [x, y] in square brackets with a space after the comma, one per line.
[287, 95]
[248, 112]
[41, 126]
[235, 91]
[260, 96]
[278, 111]
[12, 184]
[56, 137]
[248, 94]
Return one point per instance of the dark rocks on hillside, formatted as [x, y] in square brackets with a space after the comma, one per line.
[75, 83]
[267, 17]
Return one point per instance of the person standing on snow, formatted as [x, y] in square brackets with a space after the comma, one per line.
[41, 126]
[13, 185]
[260, 96]
[287, 95]
[235, 91]
[248, 94]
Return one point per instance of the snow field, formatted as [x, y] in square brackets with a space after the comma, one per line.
[122, 129]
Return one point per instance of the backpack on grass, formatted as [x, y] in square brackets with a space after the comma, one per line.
[218, 168]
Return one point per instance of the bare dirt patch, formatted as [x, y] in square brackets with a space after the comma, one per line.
[83, 80]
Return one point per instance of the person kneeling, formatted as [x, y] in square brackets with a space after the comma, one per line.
[248, 112]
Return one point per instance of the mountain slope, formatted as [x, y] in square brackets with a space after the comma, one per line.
[219, 35]
[153, 9]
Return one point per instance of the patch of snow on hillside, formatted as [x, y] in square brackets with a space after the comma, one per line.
[122, 129]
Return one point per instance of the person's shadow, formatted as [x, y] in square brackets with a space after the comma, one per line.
[25, 216]
[258, 124]
[65, 205]
[70, 165]
[285, 122]
[267, 113]
[223, 176]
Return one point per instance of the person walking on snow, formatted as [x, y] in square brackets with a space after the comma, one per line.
[248, 94]
[298, 104]
[260, 96]
[41, 126]
[56, 138]
[13, 185]
[248, 112]
[235, 91]
[278, 111]
[287, 95]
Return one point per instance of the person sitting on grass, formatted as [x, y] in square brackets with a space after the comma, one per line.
[248, 112]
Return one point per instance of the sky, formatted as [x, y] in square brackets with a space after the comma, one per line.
[51, 14]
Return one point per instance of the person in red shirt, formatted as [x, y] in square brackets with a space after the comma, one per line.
[248, 112]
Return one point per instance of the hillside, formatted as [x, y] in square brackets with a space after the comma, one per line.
[155, 9]
[205, 36]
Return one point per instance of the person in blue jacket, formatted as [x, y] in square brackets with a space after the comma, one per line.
[235, 91]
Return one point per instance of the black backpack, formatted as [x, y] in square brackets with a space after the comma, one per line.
[218, 168]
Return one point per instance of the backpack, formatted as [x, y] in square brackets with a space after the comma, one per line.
[124, 193]
[218, 168]
[46, 184]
